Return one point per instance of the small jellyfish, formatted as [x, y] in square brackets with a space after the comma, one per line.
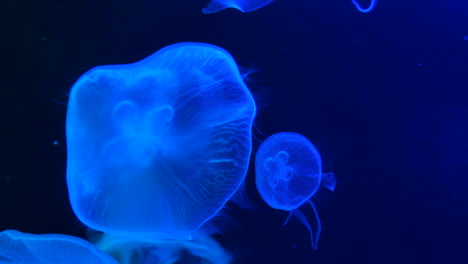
[288, 172]
[157, 147]
[242, 5]
[17, 247]
[364, 10]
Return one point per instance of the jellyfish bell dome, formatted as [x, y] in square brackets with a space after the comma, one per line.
[157, 147]
[242, 5]
[288, 169]
[18, 247]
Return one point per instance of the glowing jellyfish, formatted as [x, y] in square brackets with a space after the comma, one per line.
[157, 147]
[17, 247]
[364, 10]
[288, 173]
[200, 250]
[242, 5]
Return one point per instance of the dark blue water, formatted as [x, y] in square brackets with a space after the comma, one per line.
[382, 95]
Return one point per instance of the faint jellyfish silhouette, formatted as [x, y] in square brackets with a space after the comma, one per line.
[157, 147]
[288, 172]
[18, 247]
[242, 5]
[200, 250]
[364, 10]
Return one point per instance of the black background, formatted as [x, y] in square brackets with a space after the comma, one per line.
[382, 95]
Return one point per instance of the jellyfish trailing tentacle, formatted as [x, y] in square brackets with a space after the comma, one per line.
[364, 10]
[314, 236]
[288, 218]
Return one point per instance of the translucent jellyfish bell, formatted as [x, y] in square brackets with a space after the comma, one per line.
[241, 5]
[364, 10]
[200, 250]
[17, 247]
[157, 147]
[288, 173]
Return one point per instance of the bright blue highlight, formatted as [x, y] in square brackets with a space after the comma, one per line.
[157, 147]
[364, 10]
[242, 5]
[17, 247]
[288, 171]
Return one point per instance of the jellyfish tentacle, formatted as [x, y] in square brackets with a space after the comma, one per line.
[314, 236]
[319, 224]
[287, 218]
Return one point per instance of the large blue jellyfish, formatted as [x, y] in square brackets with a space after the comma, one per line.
[17, 247]
[288, 173]
[200, 250]
[157, 147]
[364, 10]
[242, 5]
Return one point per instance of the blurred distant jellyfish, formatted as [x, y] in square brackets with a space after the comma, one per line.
[17, 247]
[157, 147]
[288, 173]
[364, 10]
[200, 250]
[242, 5]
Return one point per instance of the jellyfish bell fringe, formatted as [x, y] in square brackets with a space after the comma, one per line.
[241, 5]
[18, 247]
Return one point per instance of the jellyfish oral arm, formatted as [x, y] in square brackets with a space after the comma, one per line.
[287, 218]
[329, 181]
[364, 10]
[314, 236]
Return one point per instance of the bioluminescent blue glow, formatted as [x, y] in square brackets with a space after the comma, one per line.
[288, 171]
[203, 248]
[17, 247]
[242, 5]
[364, 10]
[157, 147]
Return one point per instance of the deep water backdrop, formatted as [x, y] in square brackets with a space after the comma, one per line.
[382, 95]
